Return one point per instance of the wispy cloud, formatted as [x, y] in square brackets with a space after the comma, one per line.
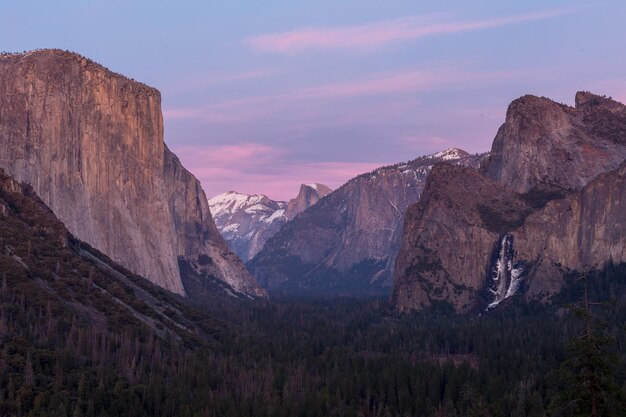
[388, 83]
[372, 36]
[254, 168]
[202, 81]
[249, 155]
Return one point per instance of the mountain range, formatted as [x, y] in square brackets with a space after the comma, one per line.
[347, 242]
[247, 221]
[469, 230]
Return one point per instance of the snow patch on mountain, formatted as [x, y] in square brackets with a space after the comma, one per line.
[246, 221]
[451, 154]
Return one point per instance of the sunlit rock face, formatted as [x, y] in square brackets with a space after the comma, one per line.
[90, 142]
[347, 242]
[549, 200]
[547, 144]
[308, 195]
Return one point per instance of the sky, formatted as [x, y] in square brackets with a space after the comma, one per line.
[259, 97]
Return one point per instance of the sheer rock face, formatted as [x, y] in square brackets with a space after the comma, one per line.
[309, 194]
[543, 143]
[346, 243]
[449, 238]
[585, 228]
[90, 142]
[554, 187]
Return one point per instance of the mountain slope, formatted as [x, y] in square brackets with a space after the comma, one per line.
[248, 221]
[549, 200]
[42, 260]
[346, 243]
[80, 334]
[90, 142]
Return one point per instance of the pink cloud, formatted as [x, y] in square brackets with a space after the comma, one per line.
[375, 35]
[245, 154]
[259, 169]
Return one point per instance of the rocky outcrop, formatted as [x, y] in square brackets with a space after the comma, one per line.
[309, 194]
[549, 200]
[90, 142]
[347, 242]
[546, 144]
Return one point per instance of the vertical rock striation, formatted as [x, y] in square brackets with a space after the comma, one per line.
[90, 142]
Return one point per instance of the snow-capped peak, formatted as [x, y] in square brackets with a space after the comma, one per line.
[451, 154]
[246, 220]
[232, 201]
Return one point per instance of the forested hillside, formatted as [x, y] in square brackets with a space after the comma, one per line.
[81, 336]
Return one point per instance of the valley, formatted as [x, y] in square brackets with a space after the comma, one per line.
[452, 284]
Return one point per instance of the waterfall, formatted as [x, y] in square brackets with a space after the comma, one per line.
[505, 276]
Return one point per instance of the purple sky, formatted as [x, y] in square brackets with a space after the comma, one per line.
[260, 97]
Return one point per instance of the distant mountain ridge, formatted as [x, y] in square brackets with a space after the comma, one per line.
[347, 242]
[248, 221]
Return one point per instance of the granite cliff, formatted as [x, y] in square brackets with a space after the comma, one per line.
[308, 195]
[347, 242]
[90, 142]
[549, 200]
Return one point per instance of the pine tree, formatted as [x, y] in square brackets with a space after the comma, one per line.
[588, 373]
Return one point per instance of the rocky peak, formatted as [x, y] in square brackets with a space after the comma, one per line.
[90, 142]
[451, 154]
[549, 145]
[232, 201]
[247, 221]
[547, 201]
[308, 195]
[589, 101]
